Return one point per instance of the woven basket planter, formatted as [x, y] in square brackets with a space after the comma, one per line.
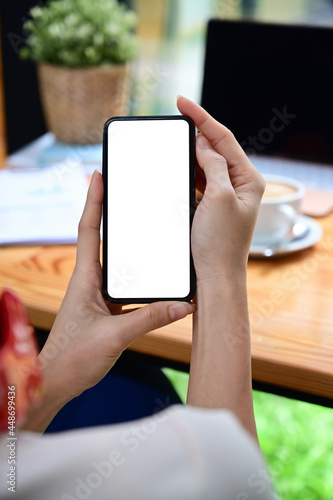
[77, 101]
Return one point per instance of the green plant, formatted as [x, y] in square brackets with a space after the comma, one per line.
[79, 33]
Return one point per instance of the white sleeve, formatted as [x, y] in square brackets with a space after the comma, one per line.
[181, 453]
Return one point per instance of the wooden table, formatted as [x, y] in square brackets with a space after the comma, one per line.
[290, 300]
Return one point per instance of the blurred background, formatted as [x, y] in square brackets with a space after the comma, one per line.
[296, 437]
[170, 59]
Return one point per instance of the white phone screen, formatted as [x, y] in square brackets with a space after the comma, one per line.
[149, 168]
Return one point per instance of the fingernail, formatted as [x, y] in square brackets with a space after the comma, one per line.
[202, 142]
[178, 96]
[180, 310]
[94, 173]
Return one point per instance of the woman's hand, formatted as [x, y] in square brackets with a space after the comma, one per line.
[89, 334]
[224, 221]
[223, 225]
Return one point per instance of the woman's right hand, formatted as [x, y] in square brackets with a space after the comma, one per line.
[222, 230]
[225, 218]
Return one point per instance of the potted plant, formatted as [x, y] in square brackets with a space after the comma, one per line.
[82, 49]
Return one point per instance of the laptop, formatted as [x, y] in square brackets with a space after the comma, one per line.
[272, 85]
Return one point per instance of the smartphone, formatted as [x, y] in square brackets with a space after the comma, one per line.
[149, 202]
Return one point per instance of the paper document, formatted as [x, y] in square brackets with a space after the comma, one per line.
[47, 151]
[41, 207]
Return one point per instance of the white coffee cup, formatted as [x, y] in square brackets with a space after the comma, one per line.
[279, 210]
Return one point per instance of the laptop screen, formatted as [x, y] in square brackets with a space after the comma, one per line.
[272, 85]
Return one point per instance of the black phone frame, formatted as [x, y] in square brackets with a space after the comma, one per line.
[192, 198]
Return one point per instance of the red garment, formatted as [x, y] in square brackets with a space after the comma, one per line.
[20, 375]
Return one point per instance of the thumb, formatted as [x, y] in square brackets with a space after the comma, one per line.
[145, 319]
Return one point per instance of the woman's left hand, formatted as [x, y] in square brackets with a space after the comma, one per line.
[90, 334]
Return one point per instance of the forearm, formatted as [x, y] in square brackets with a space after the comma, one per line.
[220, 373]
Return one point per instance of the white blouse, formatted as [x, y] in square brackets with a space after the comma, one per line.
[181, 453]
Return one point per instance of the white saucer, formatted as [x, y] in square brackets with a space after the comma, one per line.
[313, 235]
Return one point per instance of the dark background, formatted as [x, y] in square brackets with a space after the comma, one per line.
[23, 113]
[252, 69]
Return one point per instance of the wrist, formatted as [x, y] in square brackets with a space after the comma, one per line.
[54, 397]
[227, 284]
[41, 415]
[222, 314]
[58, 386]
[233, 274]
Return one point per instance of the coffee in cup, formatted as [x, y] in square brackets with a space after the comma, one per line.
[279, 210]
[275, 189]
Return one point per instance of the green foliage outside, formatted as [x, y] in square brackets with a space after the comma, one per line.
[296, 439]
[80, 33]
